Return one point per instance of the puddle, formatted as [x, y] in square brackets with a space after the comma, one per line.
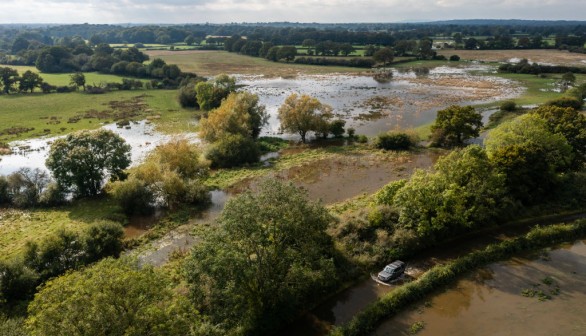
[140, 224]
[33, 153]
[489, 302]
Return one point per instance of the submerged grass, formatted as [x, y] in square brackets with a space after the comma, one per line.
[438, 276]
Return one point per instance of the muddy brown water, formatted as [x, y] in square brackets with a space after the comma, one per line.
[489, 301]
[340, 178]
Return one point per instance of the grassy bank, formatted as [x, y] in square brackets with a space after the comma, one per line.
[389, 305]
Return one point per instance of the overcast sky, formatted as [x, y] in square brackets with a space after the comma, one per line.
[225, 11]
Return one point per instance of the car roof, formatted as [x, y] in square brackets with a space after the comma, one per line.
[396, 263]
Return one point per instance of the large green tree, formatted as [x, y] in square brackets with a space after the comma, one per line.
[82, 161]
[269, 256]
[384, 55]
[462, 192]
[210, 94]
[8, 76]
[113, 297]
[29, 81]
[456, 124]
[301, 114]
[532, 130]
[571, 124]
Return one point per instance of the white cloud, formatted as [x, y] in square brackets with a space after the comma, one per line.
[183, 11]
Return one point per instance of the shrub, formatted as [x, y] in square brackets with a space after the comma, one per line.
[103, 239]
[454, 58]
[133, 195]
[337, 127]
[17, 282]
[361, 138]
[4, 194]
[508, 106]
[570, 102]
[233, 150]
[52, 195]
[187, 96]
[394, 141]
[351, 131]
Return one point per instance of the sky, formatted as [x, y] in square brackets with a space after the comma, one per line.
[332, 11]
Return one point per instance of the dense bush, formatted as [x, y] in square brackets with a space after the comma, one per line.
[394, 141]
[133, 195]
[356, 62]
[187, 96]
[564, 102]
[454, 58]
[508, 106]
[233, 150]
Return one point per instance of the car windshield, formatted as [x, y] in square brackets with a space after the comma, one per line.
[389, 269]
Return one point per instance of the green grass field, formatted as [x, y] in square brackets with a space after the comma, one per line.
[19, 226]
[49, 114]
[91, 78]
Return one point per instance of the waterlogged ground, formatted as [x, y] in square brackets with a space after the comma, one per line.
[490, 301]
[410, 100]
[140, 135]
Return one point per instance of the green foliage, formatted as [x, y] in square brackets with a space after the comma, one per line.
[454, 125]
[508, 106]
[269, 256]
[386, 194]
[210, 94]
[384, 55]
[78, 79]
[29, 81]
[337, 127]
[12, 327]
[81, 161]
[187, 96]
[8, 77]
[113, 297]
[173, 173]
[17, 282]
[571, 124]
[394, 141]
[233, 150]
[102, 239]
[69, 251]
[531, 130]
[462, 193]
[454, 58]
[133, 195]
[566, 102]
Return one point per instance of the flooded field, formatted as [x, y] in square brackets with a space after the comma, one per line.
[410, 100]
[542, 294]
[140, 135]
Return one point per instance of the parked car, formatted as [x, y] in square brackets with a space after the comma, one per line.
[392, 271]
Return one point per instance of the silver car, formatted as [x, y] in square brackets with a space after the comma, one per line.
[392, 271]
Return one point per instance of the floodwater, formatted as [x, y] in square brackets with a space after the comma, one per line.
[410, 100]
[140, 135]
[158, 252]
[490, 301]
